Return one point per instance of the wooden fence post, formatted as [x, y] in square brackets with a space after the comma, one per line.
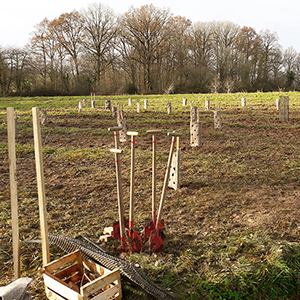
[40, 184]
[11, 128]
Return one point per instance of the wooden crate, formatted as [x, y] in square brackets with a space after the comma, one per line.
[74, 278]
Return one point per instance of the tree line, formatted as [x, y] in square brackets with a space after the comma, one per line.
[146, 50]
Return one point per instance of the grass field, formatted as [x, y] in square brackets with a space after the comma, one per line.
[232, 229]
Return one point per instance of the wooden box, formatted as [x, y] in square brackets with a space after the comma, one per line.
[74, 278]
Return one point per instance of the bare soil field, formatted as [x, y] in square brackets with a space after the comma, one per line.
[232, 229]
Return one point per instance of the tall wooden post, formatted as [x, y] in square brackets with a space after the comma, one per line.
[11, 133]
[40, 184]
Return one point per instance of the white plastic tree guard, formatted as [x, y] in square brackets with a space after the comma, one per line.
[107, 104]
[284, 108]
[174, 177]
[243, 102]
[217, 119]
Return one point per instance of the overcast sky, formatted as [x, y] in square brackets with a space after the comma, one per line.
[18, 17]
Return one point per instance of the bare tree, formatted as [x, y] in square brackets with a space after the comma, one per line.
[269, 48]
[225, 53]
[173, 61]
[17, 61]
[44, 47]
[99, 33]
[215, 85]
[145, 29]
[68, 32]
[201, 46]
[289, 62]
[3, 74]
[249, 46]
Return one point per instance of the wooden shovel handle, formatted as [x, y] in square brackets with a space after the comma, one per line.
[163, 194]
[114, 128]
[155, 131]
[119, 191]
[119, 151]
[174, 134]
[133, 134]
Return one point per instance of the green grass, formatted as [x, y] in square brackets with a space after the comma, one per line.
[212, 251]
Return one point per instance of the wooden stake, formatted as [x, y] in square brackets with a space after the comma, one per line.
[40, 184]
[11, 133]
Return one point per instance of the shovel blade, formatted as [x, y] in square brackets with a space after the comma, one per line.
[116, 228]
[134, 241]
[148, 229]
[151, 227]
[156, 240]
